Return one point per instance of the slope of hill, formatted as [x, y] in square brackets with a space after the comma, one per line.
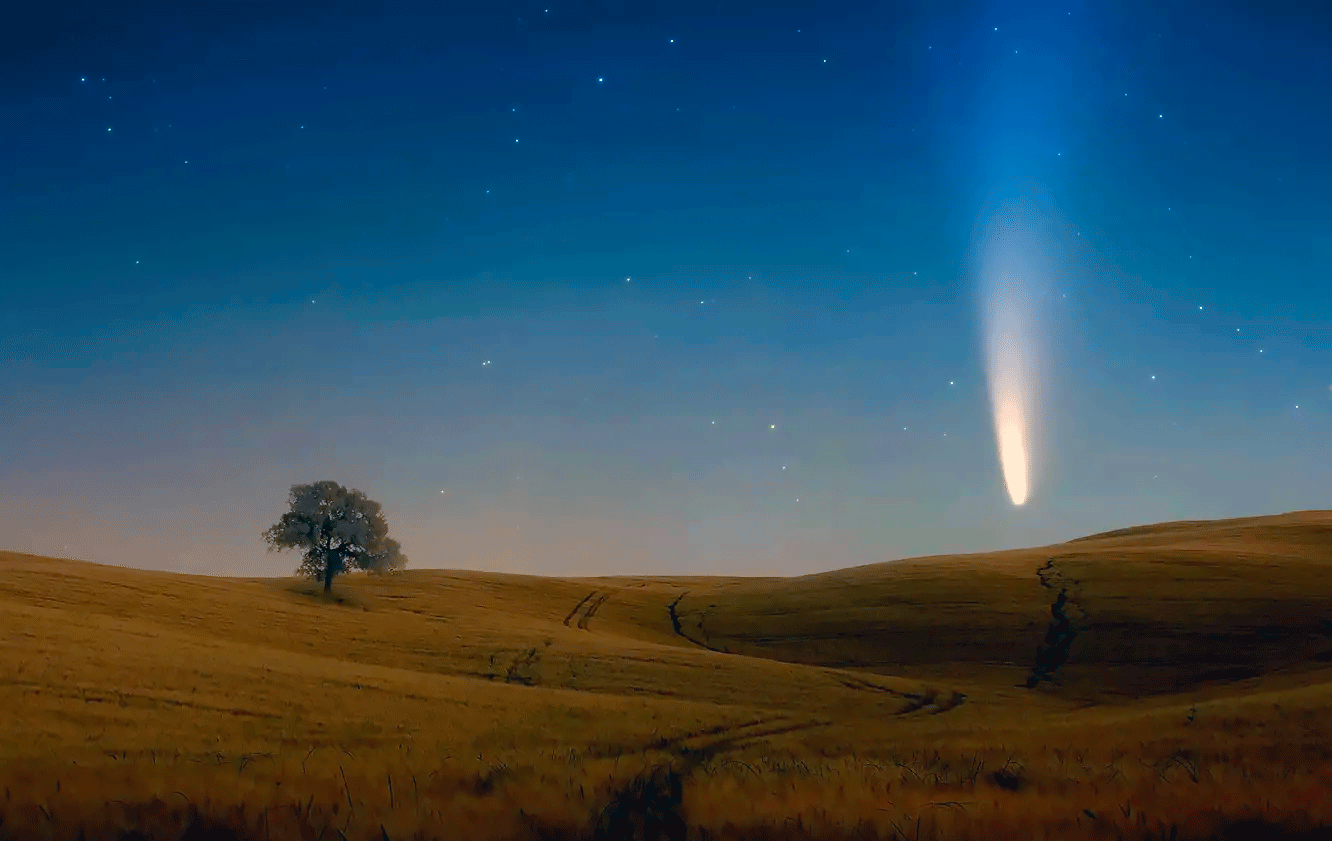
[1153, 610]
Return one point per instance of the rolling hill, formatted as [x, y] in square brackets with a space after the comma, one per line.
[1188, 633]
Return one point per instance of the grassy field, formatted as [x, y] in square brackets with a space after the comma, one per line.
[1186, 692]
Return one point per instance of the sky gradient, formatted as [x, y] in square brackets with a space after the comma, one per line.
[617, 286]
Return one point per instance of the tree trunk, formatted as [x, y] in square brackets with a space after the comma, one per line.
[330, 568]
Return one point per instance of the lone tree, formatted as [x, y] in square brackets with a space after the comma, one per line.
[339, 529]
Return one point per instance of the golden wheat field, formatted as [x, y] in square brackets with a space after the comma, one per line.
[882, 701]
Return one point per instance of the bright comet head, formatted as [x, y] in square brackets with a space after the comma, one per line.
[1010, 396]
[1011, 431]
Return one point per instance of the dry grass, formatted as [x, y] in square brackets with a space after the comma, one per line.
[875, 702]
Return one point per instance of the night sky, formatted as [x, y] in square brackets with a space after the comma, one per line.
[608, 286]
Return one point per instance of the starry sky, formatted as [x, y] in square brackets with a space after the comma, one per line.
[624, 286]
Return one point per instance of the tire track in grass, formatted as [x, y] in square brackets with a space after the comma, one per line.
[592, 610]
[679, 630]
[578, 607]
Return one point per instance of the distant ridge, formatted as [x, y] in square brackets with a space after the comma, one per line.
[1188, 525]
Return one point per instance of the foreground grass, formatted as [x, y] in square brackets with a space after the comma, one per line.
[847, 705]
[982, 796]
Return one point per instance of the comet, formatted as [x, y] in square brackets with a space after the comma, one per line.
[1015, 275]
[1008, 368]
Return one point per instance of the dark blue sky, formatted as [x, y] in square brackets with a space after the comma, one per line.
[616, 285]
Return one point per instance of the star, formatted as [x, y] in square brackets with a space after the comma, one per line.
[600, 79]
[772, 426]
[1153, 376]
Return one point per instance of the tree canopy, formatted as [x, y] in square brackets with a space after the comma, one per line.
[339, 529]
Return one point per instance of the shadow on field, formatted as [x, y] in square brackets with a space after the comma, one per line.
[314, 593]
[646, 808]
